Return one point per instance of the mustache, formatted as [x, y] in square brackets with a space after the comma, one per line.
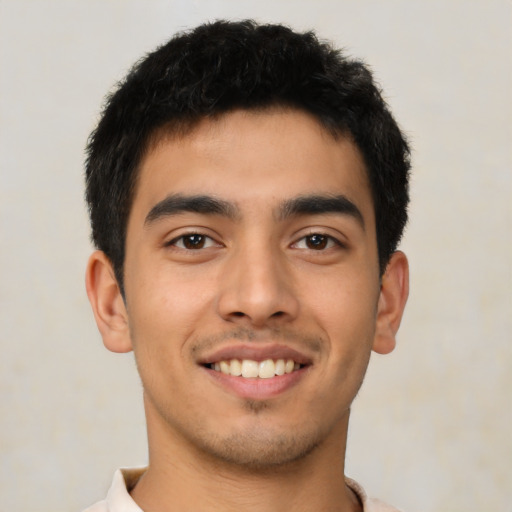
[312, 343]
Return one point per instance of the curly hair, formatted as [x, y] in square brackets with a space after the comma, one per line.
[221, 66]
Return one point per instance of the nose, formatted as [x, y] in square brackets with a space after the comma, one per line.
[257, 289]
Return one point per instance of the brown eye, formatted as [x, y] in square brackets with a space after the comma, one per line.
[193, 241]
[317, 242]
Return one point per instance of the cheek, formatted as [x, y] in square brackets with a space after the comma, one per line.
[346, 299]
[169, 309]
[345, 308]
[169, 297]
[163, 318]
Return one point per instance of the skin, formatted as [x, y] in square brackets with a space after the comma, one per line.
[259, 277]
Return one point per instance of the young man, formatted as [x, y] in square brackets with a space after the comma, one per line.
[247, 189]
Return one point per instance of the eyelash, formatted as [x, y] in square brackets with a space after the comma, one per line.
[175, 241]
[329, 240]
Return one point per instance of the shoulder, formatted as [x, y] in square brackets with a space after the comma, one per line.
[369, 504]
[375, 505]
[101, 506]
[118, 498]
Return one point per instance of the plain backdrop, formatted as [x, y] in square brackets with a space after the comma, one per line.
[431, 427]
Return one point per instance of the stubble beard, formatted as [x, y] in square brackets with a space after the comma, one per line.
[258, 445]
[257, 448]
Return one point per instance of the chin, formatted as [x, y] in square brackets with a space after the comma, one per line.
[259, 450]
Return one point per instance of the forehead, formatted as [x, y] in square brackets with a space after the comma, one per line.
[249, 157]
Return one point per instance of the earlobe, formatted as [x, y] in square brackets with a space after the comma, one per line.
[107, 303]
[392, 299]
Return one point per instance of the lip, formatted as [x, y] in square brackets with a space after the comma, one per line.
[256, 388]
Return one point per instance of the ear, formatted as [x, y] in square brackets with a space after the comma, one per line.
[107, 303]
[394, 291]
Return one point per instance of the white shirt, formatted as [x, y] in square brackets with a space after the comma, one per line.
[119, 500]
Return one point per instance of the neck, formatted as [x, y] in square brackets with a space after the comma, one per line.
[181, 478]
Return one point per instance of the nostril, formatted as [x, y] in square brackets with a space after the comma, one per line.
[237, 313]
[277, 314]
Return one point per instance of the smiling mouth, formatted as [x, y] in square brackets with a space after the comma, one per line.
[251, 369]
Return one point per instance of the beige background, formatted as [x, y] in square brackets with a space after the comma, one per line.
[431, 427]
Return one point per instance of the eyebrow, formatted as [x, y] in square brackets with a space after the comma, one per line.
[320, 204]
[314, 204]
[175, 204]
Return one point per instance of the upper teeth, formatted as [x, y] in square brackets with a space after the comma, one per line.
[251, 369]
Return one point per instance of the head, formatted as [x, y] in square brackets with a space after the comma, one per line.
[247, 188]
[218, 68]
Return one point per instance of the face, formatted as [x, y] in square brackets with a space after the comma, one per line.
[251, 249]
